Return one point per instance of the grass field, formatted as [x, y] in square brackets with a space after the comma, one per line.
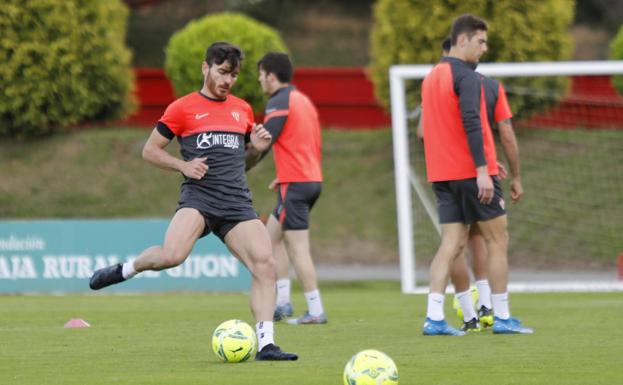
[165, 339]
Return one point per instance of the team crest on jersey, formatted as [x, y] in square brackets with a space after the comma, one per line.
[206, 141]
[236, 115]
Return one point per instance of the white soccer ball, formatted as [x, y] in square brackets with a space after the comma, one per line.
[234, 341]
[370, 367]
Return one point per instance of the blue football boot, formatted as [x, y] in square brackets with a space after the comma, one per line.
[283, 312]
[439, 328]
[509, 326]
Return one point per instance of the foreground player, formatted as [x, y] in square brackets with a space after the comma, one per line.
[498, 111]
[212, 127]
[292, 120]
[460, 160]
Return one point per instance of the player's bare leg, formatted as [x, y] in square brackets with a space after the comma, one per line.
[283, 308]
[185, 228]
[496, 235]
[476, 243]
[459, 276]
[453, 239]
[250, 242]
[183, 231]
[297, 242]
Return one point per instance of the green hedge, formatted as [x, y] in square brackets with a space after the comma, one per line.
[63, 62]
[186, 51]
[616, 53]
[411, 31]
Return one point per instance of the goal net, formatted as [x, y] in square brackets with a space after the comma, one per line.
[571, 153]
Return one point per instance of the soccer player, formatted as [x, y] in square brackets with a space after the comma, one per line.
[292, 120]
[462, 165]
[212, 127]
[498, 111]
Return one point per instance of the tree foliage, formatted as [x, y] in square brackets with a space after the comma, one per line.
[411, 32]
[63, 62]
[616, 49]
[186, 51]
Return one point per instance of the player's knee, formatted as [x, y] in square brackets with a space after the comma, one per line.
[264, 265]
[172, 258]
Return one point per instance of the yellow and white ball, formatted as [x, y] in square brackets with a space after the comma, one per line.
[370, 367]
[234, 341]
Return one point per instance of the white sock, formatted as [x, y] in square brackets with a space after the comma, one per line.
[314, 304]
[283, 291]
[465, 299]
[484, 294]
[435, 306]
[265, 334]
[500, 305]
[128, 270]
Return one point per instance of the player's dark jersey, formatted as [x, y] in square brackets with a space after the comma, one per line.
[495, 98]
[457, 136]
[215, 129]
[293, 122]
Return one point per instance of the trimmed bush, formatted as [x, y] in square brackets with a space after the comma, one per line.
[186, 51]
[616, 53]
[411, 32]
[63, 62]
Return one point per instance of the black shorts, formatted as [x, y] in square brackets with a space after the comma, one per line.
[294, 202]
[457, 201]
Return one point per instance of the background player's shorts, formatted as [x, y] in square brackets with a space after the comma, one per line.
[294, 202]
[457, 201]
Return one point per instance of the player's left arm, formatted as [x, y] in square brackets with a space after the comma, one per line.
[276, 116]
[508, 139]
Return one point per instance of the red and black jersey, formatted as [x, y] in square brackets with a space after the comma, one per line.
[497, 103]
[293, 122]
[216, 129]
[457, 136]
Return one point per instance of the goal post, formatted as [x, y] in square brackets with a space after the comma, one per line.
[406, 180]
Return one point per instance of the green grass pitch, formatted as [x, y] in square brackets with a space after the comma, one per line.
[165, 339]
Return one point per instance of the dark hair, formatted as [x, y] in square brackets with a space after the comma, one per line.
[222, 51]
[467, 24]
[277, 63]
[446, 44]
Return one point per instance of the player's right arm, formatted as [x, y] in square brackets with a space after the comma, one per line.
[469, 103]
[171, 124]
[154, 153]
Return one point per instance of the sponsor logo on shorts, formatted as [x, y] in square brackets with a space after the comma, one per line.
[205, 140]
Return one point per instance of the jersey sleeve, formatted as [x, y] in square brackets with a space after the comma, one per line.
[173, 120]
[502, 109]
[276, 113]
[470, 93]
[250, 118]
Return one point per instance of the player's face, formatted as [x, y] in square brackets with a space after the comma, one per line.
[219, 79]
[263, 79]
[476, 47]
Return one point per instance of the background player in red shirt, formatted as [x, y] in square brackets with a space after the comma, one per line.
[212, 128]
[460, 161]
[293, 122]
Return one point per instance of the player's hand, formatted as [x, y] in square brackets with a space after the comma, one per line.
[196, 168]
[516, 190]
[502, 173]
[273, 185]
[485, 186]
[260, 137]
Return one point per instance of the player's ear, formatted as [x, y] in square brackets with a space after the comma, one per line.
[205, 68]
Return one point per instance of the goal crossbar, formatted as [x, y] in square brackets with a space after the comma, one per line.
[398, 74]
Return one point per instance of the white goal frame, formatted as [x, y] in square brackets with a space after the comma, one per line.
[405, 178]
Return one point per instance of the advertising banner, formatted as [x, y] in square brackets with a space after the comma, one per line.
[59, 256]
